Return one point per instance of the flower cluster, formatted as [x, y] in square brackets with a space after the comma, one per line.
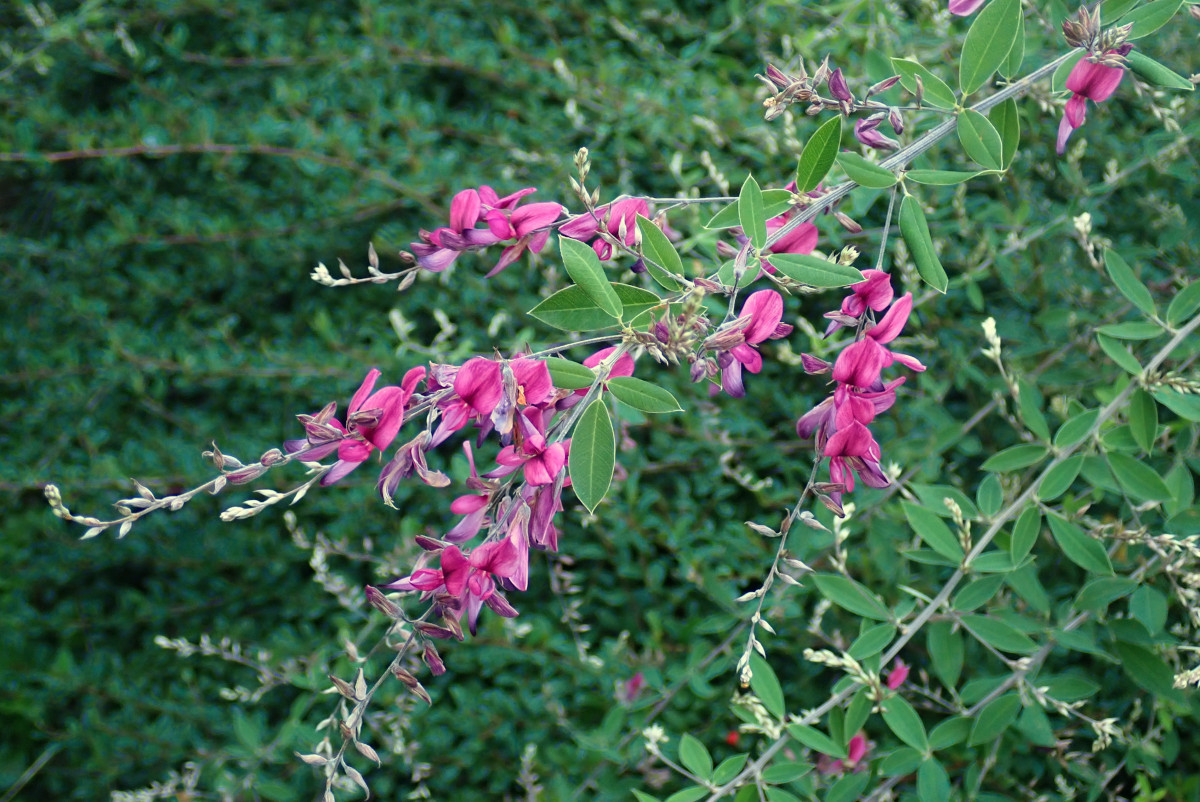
[521, 228]
[839, 423]
[513, 399]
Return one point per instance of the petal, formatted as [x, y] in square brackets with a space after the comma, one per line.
[964, 8]
[583, 227]
[731, 379]
[749, 356]
[363, 391]
[478, 383]
[1076, 110]
[893, 322]
[533, 377]
[801, 239]
[1064, 133]
[464, 210]
[526, 219]
[765, 310]
[498, 224]
[339, 471]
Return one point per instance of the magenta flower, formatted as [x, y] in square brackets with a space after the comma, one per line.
[759, 320]
[541, 461]
[859, 365]
[477, 391]
[621, 224]
[897, 676]
[438, 249]
[528, 225]
[852, 450]
[873, 292]
[866, 131]
[963, 8]
[1087, 81]
[858, 748]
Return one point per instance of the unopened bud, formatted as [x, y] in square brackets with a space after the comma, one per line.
[380, 602]
[765, 531]
[838, 87]
[272, 457]
[847, 222]
[433, 660]
[822, 73]
[883, 85]
[896, 120]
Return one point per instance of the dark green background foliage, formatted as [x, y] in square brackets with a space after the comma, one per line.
[157, 298]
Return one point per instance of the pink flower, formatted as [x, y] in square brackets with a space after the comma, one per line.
[541, 461]
[897, 676]
[859, 364]
[1087, 81]
[858, 748]
[528, 225]
[963, 8]
[759, 320]
[621, 224]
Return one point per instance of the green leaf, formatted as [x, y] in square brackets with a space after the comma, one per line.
[593, 454]
[766, 686]
[1007, 121]
[583, 266]
[694, 756]
[1122, 276]
[568, 375]
[872, 641]
[904, 760]
[1025, 533]
[1113, 10]
[1135, 330]
[933, 531]
[995, 718]
[849, 595]
[693, 794]
[1149, 606]
[952, 731]
[946, 650]
[752, 213]
[988, 43]
[815, 271]
[1030, 399]
[901, 719]
[942, 178]
[848, 789]
[999, 635]
[1137, 478]
[915, 231]
[818, 155]
[980, 139]
[1097, 594]
[775, 202]
[572, 309]
[866, 173]
[990, 495]
[642, 796]
[933, 783]
[1143, 419]
[857, 713]
[783, 773]
[1119, 353]
[816, 740]
[1015, 457]
[1149, 18]
[937, 92]
[1075, 428]
[977, 593]
[1012, 63]
[1185, 406]
[1080, 549]
[1184, 304]
[661, 258]
[1147, 670]
[1058, 479]
[1156, 73]
[642, 395]
[730, 767]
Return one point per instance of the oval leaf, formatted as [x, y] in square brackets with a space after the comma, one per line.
[995, 718]
[1080, 549]
[1184, 304]
[1015, 457]
[815, 271]
[642, 395]
[905, 723]
[752, 213]
[568, 375]
[766, 686]
[980, 139]
[694, 756]
[1122, 275]
[933, 531]
[849, 595]
[866, 173]
[572, 309]
[942, 178]
[660, 255]
[593, 454]
[1156, 73]
[988, 42]
[1058, 479]
[999, 635]
[1007, 121]
[775, 202]
[915, 231]
[1137, 478]
[937, 92]
[1150, 17]
[583, 266]
[818, 155]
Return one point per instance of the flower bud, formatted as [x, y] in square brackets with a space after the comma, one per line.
[272, 457]
[838, 87]
[883, 85]
[847, 222]
[380, 602]
[433, 660]
[895, 120]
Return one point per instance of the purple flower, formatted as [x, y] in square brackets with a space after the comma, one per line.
[621, 224]
[759, 320]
